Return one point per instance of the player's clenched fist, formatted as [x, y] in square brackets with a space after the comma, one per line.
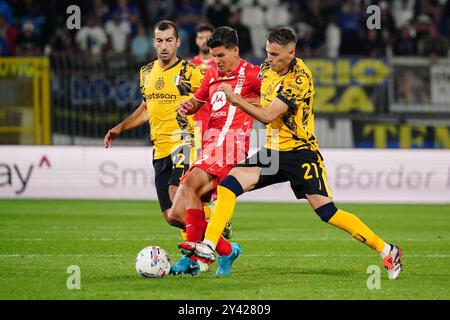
[228, 90]
[185, 108]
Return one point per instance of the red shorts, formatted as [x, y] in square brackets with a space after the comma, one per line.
[217, 170]
[218, 159]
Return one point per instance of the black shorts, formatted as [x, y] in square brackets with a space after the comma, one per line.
[304, 170]
[168, 171]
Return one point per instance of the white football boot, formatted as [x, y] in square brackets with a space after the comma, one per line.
[392, 262]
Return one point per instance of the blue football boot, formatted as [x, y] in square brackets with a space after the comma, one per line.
[226, 262]
[185, 266]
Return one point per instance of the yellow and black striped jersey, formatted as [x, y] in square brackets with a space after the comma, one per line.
[295, 129]
[162, 91]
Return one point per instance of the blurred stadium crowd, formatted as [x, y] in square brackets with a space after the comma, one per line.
[325, 28]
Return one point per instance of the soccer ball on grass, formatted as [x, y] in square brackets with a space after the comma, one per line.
[153, 262]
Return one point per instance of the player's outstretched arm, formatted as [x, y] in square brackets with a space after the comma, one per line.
[190, 106]
[265, 115]
[136, 119]
[254, 101]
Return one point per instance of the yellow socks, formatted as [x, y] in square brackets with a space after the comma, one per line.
[207, 210]
[353, 225]
[223, 211]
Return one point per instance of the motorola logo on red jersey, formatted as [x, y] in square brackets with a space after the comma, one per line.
[218, 114]
[218, 100]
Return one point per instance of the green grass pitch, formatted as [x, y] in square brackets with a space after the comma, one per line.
[288, 253]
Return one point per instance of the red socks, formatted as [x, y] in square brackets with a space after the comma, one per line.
[195, 219]
[223, 247]
[195, 230]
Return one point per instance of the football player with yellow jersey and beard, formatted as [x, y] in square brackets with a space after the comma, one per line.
[287, 96]
[164, 83]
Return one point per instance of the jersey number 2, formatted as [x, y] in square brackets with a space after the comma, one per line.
[181, 158]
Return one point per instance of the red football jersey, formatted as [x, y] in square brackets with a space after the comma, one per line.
[227, 138]
[202, 116]
[203, 64]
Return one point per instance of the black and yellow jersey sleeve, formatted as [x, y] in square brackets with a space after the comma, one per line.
[195, 76]
[190, 76]
[145, 70]
[163, 90]
[295, 129]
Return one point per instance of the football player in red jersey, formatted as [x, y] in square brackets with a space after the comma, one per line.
[205, 61]
[226, 142]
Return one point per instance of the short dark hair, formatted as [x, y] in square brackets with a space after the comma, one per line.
[205, 27]
[223, 36]
[165, 25]
[281, 36]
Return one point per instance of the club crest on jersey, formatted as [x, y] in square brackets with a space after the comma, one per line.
[159, 84]
[218, 100]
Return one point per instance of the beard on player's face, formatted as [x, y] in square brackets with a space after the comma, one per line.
[165, 57]
[204, 49]
[166, 54]
[201, 40]
[166, 44]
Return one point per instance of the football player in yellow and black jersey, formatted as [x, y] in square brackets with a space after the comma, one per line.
[287, 96]
[164, 83]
